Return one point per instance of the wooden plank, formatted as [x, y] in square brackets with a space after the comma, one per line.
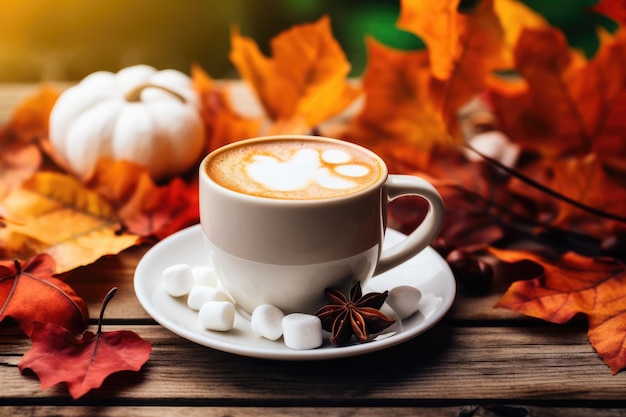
[92, 282]
[208, 411]
[444, 364]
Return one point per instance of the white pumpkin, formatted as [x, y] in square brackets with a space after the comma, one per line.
[139, 114]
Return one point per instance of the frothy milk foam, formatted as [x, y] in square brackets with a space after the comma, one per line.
[294, 169]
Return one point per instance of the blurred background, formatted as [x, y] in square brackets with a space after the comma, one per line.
[65, 40]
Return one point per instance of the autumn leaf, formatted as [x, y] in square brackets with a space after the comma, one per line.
[304, 77]
[398, 109]
[465, 47]
[22, 137]
[514, 17]
[480, 208]
[29, 120]
[436, 23]
[30, 293]
[17, 164]
[570, 285]
[57, 215]
[582, 179]
[83, 363]
[413, 97]
[143, 207]
[607, 70]
[614, 9]
[542, 58]
[222, 123]
[567, 99]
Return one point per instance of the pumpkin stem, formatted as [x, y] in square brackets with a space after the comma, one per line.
[134, 95]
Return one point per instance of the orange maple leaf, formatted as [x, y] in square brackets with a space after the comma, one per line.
[222, 123]
[582, 179]
[575, 284]
[22, 137]
[17, 164]
[31, 117]
[565, 103]
[85, 362]
[464, 48]
[143, 207]
[514, 17]
[615, 9]
[304, 78]
[56, 214]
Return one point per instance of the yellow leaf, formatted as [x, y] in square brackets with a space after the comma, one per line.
[454, 37]
[514, 17]
[55, 214]
[306, 75]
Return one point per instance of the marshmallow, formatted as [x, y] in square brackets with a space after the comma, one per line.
[217, 315]
[302, 331]
[266, 322]
[177, 279]
[201, 294]
[204, 275]
[404, 300]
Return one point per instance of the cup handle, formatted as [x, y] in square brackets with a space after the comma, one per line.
[408, 185]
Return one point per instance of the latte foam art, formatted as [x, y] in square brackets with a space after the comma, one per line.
[294, 169]
[328, 169]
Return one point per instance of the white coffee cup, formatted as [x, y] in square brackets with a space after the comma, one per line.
[286, 217]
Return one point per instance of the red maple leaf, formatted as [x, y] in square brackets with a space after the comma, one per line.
[31, 293]
[145, 208]
[614, 9]
[573, 284]
[83, 363]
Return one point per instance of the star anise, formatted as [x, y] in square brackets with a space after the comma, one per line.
[358, 315]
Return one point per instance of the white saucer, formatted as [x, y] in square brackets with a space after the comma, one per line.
[427, 271]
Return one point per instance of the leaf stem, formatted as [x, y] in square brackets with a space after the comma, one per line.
[547, 190]
[134, 95]
[106, 300]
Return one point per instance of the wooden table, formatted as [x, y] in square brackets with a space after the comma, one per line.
[478, 361]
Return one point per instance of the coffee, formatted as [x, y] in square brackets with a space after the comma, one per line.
[286, 247]
[294, 169]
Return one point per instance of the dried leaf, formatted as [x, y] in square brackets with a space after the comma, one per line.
[582, 179]
[17, 164]
[575, 284]
[59, 216]
[514, 17]
[398, 109]
[465, 47]
[143, 207]
[479, 207]
[222, 124]
[614, 9]
[30, 118]
[305, 76]
[83, 363]
[566, 100]
[30, 293]
[20, 155]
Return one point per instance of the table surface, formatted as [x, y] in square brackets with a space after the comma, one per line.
[478, 361]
